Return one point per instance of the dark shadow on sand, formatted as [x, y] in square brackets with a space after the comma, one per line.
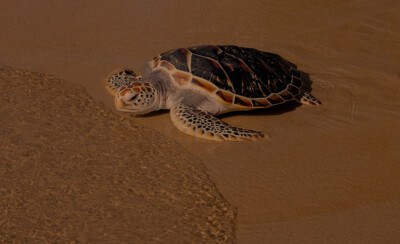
[275, 110]
[152, 114]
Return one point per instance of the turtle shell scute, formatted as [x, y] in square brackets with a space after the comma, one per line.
[234, 70]
[178, 58]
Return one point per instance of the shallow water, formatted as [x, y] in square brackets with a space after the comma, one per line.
[330, 172]
[72, 171]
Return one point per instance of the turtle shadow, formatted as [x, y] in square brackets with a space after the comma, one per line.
[154, 113]
[307, 82]
[275, 110]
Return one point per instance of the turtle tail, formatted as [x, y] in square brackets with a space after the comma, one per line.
[119, 78]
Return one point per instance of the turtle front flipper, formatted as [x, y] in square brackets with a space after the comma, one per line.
[201, 124]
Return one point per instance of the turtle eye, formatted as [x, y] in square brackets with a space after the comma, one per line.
[133, 98]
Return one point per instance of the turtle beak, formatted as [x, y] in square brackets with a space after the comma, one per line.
[122, 106]
[119, 102]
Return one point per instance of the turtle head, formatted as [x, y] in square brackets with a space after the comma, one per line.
[137, 98]
[119, 78]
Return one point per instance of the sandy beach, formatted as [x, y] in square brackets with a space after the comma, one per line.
[74, 169]
[74, 172]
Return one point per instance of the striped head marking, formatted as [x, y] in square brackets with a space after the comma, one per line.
[138, 98]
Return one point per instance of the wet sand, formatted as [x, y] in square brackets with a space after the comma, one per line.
[327, 174]
[73, 172]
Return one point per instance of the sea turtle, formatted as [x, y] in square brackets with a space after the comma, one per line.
[199, 83]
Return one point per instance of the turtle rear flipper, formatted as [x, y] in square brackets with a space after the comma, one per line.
[307, 98]
[201, 124]
[120, 78]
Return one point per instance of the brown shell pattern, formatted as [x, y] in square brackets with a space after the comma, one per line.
[242, 77]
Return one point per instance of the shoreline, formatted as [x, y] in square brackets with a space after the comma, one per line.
[73, 171]
[318, 171]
